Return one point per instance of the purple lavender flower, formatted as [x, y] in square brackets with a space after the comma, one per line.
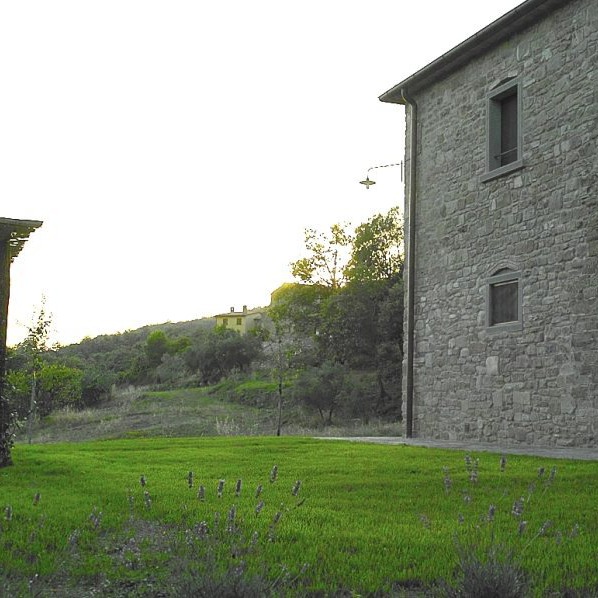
[517, 509]
[274, 474]
[447, 480]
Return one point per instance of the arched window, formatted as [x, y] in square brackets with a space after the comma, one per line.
[504, 300]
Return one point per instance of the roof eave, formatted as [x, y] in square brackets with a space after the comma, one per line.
[16, 233]
[510, 23]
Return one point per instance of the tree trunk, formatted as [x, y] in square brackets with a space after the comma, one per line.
[32, 404]
[279, 406]
[329, 421]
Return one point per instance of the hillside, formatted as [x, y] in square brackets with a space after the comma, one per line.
[222, 410]
[106, 343]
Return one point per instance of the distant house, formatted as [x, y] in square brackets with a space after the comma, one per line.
[241, 321]
[502, 232]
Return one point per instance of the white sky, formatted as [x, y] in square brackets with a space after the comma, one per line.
[176, 150]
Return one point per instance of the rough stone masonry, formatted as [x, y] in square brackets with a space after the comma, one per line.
[537, 384]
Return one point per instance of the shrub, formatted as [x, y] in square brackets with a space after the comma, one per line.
[322, 388]
[487, 568]
[95, 386]
[218, 545]
[495, 574]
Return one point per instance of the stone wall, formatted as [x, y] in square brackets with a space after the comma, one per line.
[538, 385]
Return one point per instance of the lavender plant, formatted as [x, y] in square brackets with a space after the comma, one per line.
[486, 567]
[219, 552]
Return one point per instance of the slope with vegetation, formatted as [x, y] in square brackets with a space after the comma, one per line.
[332, 342]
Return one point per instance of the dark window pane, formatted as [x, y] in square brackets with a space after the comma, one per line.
[508, 129]
[504, 302]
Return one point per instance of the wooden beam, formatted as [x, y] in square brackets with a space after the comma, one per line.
[5, 259]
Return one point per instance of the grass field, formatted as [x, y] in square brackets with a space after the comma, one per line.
[368, 518]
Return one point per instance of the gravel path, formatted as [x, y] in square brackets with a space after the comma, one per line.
[586, 454]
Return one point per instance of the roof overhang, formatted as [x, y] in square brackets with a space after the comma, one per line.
[16, 233]
[514, 21]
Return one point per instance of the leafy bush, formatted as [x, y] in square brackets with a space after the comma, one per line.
[488, 567]
[221, 352]
[95, 385]
[18, 392]
[362, 396]
[322, 389]
[172, 371]
[495, 574]
[58, 386]
[257, 393]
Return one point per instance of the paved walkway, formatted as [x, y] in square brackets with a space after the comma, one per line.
[586, 454]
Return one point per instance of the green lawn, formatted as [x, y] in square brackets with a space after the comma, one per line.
[367, 517]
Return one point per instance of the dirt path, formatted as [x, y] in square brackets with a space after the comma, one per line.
[585, 454]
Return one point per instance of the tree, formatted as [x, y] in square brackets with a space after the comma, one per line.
[349, 330]
[297, 308]
[36, 343]
[357, 320]
[39, 381]
[216, 353]
[17, 391]
[327, 257]
[164, 356]
[172, 369]
[377, 249]
[321, 388]
[95, 385]
[389, 356]
[283, 356]
[156, 346]
[58, 386]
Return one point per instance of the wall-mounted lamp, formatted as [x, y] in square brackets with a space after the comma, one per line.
[368, 182]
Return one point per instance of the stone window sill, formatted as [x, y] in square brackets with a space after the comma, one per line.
[505, 327]
[502, 171]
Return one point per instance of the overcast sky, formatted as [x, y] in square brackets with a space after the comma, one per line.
[176, 150]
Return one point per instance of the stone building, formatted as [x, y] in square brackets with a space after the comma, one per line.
[502, 232]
